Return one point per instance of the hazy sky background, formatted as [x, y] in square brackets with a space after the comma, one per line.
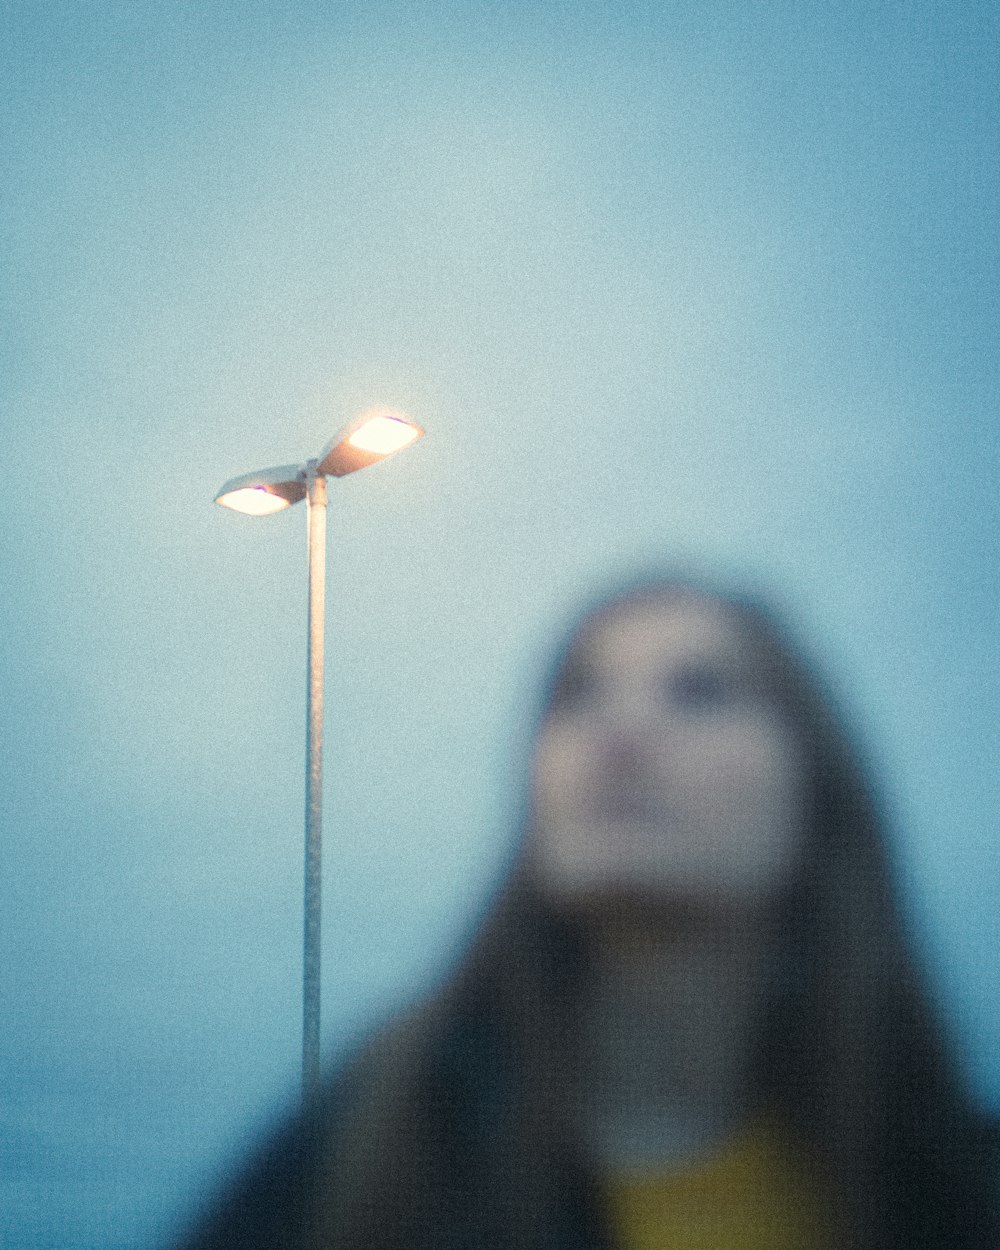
[662, 281]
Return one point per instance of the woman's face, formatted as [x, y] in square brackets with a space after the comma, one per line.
[663, 772]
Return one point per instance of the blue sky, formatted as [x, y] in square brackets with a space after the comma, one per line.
[662, 282]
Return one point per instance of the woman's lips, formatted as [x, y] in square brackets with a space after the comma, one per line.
[628, 806]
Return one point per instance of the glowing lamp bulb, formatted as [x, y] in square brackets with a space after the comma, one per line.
[253, 500]
[383, 435]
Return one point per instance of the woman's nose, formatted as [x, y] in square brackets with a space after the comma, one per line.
[624, 743]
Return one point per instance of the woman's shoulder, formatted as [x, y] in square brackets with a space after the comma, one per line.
[270, 1201]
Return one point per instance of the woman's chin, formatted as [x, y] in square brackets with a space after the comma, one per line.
[639, 909]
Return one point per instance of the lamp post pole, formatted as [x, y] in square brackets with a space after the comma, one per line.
[377, 433]
[311, 945]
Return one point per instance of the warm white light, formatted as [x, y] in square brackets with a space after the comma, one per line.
[264, 492]
[253, 500]
[383, 435]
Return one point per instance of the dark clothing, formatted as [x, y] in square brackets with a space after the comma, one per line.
[378, 1168]
[415, 1147]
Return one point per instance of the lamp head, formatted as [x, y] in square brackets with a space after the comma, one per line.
[270, 490]
[375, 435]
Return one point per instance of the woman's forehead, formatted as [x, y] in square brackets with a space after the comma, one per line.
[658, 629]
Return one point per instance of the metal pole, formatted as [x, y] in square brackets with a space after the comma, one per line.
[314, 785]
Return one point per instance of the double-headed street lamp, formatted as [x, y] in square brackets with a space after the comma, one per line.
[373, 436]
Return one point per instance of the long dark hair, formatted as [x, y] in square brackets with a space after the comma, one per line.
[855, 1055]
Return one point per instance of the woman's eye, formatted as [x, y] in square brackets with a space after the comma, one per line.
[701, 689]
[572, 688]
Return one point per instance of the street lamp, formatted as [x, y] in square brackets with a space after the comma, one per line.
[376, 434]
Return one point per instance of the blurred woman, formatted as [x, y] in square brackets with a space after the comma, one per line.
[691, 1018]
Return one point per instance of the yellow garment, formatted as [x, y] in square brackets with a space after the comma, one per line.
[748, 1195]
